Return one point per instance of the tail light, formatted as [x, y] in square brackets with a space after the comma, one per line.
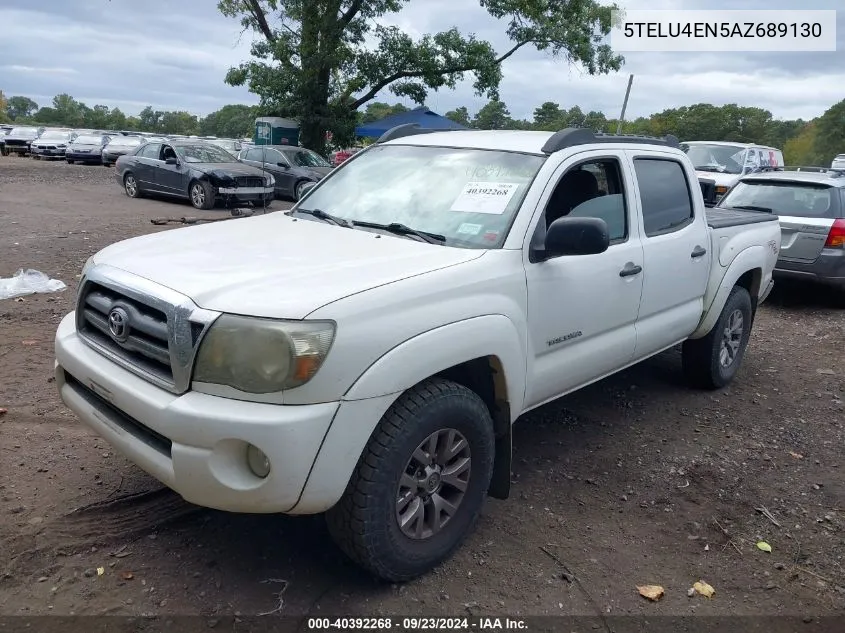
[836, 237]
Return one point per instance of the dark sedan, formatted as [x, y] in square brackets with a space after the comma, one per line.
[19, 139]
[201, 172]
[294, 168]
[119, 146]
[87, 148]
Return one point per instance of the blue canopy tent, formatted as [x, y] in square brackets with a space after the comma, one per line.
[422, 116]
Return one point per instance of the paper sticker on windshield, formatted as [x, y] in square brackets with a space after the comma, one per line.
[485, 197]
[469, 229]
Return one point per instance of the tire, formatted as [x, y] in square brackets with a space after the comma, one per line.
[365, 522]
[69, 161]
[131, 186]
[201, 195]
[712, 362]
[297, 190]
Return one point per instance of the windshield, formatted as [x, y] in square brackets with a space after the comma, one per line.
[470, 196]
[125, 141]
[23, 131]
[204, 153]
[55, 136]
[805, 200]
[88, 140]
[305, 158]
[728, 159]
[227, 145]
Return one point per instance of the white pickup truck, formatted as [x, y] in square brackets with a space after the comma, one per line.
[366, 353]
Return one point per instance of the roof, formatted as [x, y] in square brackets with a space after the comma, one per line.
[527, 142]
[730, 144]
[808, 177]
[422, 116]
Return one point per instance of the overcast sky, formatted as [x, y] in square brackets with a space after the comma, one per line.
[174, 54]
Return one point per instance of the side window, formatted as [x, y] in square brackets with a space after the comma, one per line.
[665, 195]
[167, 152]
[151, 150]
[252, 154]
[592, 190]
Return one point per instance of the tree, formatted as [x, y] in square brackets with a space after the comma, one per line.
[830, 134]
[117, 120]
[312, 62]
[376, 111]
[97, 117]
[493, 116]
[800, 150]
[4, 116]
[149, 119]
[548, 116]
[230, 121]
[20, 107]
[69, 111]
[459, 115]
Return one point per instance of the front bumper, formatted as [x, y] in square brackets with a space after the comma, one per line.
[87, 156]
[246, 193]
[827, 269]
[49, 152]
[194, 443]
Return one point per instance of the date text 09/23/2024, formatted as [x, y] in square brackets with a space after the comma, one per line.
[416, 624]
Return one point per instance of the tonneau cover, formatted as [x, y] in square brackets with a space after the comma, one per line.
[719, 218]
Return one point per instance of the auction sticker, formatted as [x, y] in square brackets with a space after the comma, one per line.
[469, 229]
[485, 197]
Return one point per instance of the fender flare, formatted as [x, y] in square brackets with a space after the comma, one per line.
[443, 347]
[745, 261]
[378, 387]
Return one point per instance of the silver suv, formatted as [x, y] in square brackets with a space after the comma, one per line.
[811, 210]
[838, 162]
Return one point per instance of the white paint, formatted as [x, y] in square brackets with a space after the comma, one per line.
[404, 310]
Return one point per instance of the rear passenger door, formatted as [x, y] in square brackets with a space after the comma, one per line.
[676, 251]
[147, 158]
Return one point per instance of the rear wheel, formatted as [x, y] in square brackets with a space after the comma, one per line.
[419, 485]
[130, 185]
[201, 194]
[711, 362]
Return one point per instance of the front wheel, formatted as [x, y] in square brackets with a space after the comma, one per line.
[420, 483]
[201, 195]
[299, 190]
[711, 362]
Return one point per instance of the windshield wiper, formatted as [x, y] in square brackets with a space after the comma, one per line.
[751, 207]
[709, 168]
[326, 217]
[402, 229]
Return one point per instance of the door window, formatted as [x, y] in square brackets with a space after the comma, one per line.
[167, 152]
[592, 190]
[150, 150]
[665, 195]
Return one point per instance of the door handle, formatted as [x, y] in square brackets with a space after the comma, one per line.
[630, 269]
[698, 252]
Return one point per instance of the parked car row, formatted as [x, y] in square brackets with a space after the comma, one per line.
[87, 146]
[205, 172]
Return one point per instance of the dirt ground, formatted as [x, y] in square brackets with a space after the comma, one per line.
[636, 480]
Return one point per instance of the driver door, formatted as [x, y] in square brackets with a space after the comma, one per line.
[582, 310]
[169, 177]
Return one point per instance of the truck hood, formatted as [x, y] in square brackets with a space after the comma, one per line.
[273, 265]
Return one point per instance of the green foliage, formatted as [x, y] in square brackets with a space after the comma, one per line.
[377, 110]
[830, 134]
[313, 60]
[800, 150]
[18, 107]
[459, 115]
[4, 105]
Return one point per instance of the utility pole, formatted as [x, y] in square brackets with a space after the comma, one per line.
[624, 105]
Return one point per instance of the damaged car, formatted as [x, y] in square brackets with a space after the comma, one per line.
[87, 148]
[20, 138]
[201, 172]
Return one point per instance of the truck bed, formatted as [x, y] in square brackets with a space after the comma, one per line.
[724, 218]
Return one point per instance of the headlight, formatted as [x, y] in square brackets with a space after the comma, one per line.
[270, 180]
[262, 355]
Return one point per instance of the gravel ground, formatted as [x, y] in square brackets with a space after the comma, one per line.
[635, 480]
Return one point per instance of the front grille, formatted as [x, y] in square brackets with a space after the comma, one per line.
[145, 342]
[249, 181]
[148, 329]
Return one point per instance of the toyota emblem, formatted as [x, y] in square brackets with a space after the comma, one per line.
[119, 324]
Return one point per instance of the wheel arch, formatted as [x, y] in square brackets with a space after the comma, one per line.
[483, 354]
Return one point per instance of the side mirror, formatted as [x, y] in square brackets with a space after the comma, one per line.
[282, 165]
[576, 236]
[171, 161]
